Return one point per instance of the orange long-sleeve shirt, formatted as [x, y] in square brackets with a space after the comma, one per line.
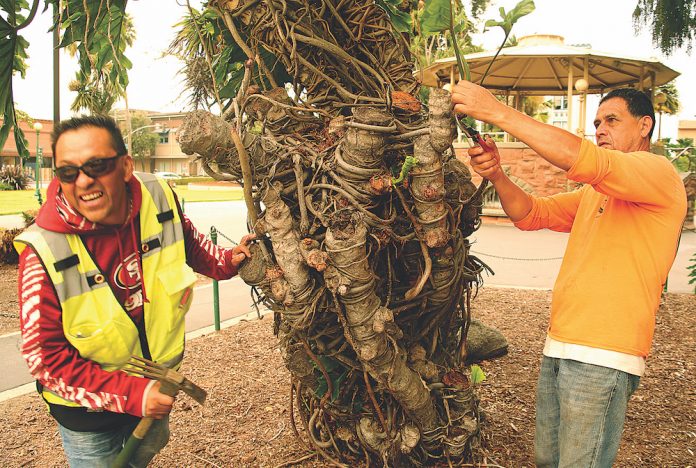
[624, 225]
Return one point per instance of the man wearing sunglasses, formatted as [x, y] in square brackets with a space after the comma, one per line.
[106, 272]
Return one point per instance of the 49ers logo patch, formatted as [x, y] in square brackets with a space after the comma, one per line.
[129, 275]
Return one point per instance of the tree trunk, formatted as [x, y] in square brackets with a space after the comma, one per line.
[365, 264]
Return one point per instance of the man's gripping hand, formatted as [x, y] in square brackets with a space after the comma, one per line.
[477, 102]
[157, 404]
[241, 250]
[486, 163]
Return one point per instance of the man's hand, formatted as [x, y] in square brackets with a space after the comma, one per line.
[157, 404]
[486, 163]
[475, 101]
[241, 250]
[559, 147]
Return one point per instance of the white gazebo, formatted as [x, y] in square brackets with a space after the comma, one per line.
[543, 65]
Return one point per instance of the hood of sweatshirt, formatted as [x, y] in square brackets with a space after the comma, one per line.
[58, 216]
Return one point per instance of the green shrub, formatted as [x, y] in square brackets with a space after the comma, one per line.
[8, 253]
[14, 177]
[4, 186]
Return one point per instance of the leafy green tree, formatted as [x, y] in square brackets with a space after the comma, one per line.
[682, 153]
[430, 41]
[96, 92]
[511, 41]
[537, 107]
[13, 55]
[671, 22]
[98, 31]
[144, 141]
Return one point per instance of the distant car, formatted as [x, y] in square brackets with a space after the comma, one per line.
[167, 175]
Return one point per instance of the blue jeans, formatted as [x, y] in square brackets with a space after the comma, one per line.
[580, 413]
[99, 449]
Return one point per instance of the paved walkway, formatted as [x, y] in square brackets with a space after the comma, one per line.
[519, 259]
[11, 221]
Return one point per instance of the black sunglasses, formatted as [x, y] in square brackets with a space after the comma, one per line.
[92, 168]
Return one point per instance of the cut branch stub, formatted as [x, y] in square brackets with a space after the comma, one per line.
[205, 134]
[428, 191]
[440, 117]
[286, 242]
[364, 148]
[259, 272]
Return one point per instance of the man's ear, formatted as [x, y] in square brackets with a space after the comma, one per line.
[646, 123]
[128, 167]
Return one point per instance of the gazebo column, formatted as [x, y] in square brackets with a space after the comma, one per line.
[570, 95]
[641, 85]
[652, 85]
[583, 97]
[506, 136]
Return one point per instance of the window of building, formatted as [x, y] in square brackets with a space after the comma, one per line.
[560, 102]
[164, 138]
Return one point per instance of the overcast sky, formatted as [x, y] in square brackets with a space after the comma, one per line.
[154, 84]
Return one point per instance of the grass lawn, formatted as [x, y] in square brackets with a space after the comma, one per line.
[17, 201]
[208, 195]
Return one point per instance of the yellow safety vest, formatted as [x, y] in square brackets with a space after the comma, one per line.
[94, 322]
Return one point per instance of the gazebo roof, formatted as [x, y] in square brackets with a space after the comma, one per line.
[540, 65]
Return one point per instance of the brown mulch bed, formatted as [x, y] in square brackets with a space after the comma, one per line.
[245, 420]
[9, 308]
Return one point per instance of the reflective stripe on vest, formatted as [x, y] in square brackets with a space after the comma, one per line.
[94, 322]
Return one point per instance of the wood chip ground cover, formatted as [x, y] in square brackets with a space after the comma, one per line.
[245, 421]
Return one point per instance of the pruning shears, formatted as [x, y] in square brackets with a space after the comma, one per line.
[472, 133]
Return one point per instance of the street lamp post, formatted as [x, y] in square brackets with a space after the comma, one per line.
[129, 136]
[37, 175]
[582, 85]
[126, 139]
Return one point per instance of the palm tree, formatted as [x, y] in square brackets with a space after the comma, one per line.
[671, 104]
[97, 91]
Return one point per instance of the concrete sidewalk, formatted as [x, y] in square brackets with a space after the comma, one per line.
[11, 221]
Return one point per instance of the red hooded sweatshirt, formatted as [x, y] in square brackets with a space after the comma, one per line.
[108, 399]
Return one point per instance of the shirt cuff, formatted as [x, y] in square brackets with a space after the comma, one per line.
[145, 392]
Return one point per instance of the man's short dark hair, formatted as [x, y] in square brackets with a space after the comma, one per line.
[638, 103]
[97, 121]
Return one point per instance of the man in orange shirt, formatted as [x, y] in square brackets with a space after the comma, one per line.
[624, 225]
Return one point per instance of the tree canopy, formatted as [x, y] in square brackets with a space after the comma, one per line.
[144, 138]
[671, 22]
[97, 29]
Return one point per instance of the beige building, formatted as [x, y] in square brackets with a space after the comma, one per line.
[36, 142]
[687, 129]
[168, 156]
